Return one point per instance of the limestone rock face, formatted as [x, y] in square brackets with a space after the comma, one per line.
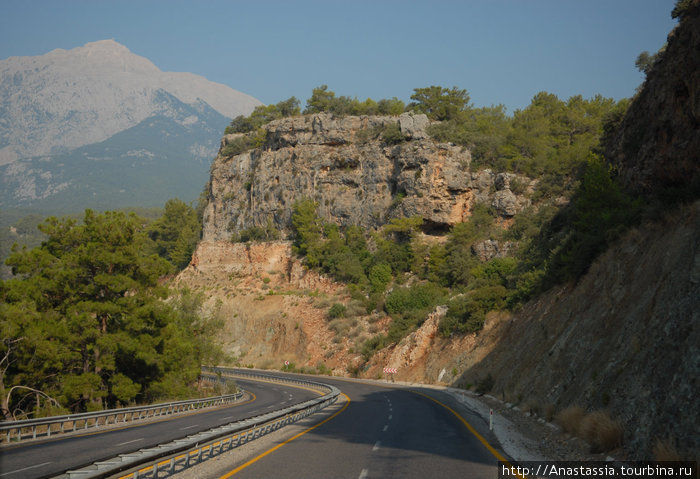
[354, 174]
[413, 126]
[488, 249]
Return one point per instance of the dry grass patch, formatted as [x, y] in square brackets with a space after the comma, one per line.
[665, 450]
[355, 308]
[570, 419]
[602, 432]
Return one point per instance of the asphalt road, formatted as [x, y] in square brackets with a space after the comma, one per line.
[383, 433]
[55, 456]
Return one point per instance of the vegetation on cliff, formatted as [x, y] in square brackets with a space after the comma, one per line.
[578, 208]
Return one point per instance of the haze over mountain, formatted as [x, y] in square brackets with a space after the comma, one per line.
[91, 126]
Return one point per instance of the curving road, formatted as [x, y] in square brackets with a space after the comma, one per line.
[384, 432]
[379, 432]
[55, 456]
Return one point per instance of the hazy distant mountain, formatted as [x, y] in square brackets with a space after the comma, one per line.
[102, 127]
[164, 156]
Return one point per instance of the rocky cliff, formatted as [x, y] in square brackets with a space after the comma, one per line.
[354, 174]
[624, 338]
[657, 146]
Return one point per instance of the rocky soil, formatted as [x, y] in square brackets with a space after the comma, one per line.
[275, 310]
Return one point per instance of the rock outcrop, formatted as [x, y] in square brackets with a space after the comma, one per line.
[657, 146]
[354, 174]
[275, 309]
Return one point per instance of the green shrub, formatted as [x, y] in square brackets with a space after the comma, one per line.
[410, 306]
[262, 115]
[379, 276]
[417, 297]
[391, 134]
[466, 313]
[600, 211]
[372, 345]
[337, 311]
[324, 100]
[237, 146]
[257, 233]
[290, 367]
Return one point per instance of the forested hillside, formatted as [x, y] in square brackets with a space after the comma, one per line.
[88, 323]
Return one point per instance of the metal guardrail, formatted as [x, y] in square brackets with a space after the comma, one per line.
[170, 458]
[221, 372]
[48, 426]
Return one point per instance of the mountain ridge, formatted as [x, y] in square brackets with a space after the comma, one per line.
[67, 119]
[123, 170]
[69, 98]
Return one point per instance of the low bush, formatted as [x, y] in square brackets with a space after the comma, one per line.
[336, 311]
[373, 344]
[570, 419]
[391, 134]
[340, 326]
[417, 297]
[257, 233]
[355, 308]
[600, 431]
[237, 146]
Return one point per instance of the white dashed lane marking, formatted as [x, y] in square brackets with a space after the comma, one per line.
[26, 469]
[129, 442]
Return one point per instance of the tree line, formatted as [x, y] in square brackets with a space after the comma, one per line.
[87, 323]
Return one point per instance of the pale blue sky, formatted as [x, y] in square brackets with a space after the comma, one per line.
[501, 51]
